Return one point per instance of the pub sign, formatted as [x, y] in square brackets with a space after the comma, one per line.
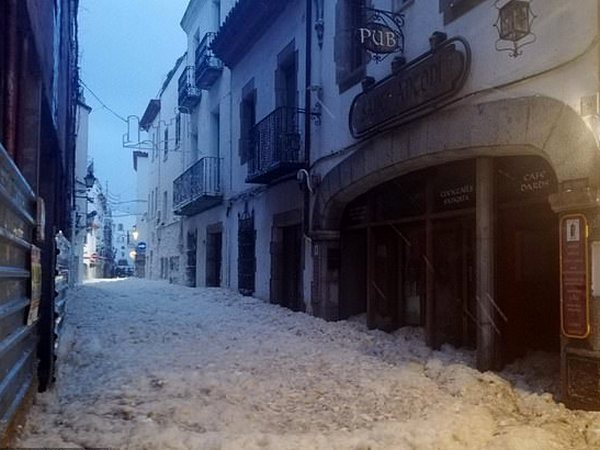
[381, 33]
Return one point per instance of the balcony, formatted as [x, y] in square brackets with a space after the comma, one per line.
[276, 147]
[208, 66]
[198, 188]
[189, 94]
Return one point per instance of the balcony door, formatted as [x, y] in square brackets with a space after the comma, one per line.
[286, 78]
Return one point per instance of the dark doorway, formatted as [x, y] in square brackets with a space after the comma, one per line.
[190, 268]
[396, 278]
[286, 267]
[384, 279]
[527, 258]
[454, 282]
[353, 277]
[527, 280]
[214, 241]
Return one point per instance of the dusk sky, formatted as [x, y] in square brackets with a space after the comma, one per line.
[127, 47]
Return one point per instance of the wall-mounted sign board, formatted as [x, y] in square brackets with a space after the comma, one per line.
[420, 87]
[574, 276]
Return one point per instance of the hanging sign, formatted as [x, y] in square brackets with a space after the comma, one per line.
[381, 34]
[379, 38]
[416, 89]
[574, 282]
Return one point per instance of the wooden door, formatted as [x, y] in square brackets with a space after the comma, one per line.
[213, 259]
[291, 267]
[384, 278]
[454, 284]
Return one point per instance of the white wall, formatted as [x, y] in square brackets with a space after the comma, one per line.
[563, 30]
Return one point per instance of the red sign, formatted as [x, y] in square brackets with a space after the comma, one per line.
[574, 282]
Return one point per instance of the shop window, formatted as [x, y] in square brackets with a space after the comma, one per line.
[350, 58]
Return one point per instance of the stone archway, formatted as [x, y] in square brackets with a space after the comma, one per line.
[530, 125]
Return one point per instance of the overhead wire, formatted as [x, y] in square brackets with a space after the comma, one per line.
[104, 105]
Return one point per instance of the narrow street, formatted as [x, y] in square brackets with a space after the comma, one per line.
[147, 365]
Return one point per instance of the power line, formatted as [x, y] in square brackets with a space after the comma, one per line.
[104, 105]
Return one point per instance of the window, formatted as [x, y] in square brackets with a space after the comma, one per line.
[154, 144]
[155, 201]
[247, 121]
[177, 130]
[166, 144]
[400, 4]
[194, 146]
[196, 41]
[350, 58]
[164, 206]
[120, 227]
[152, 207]
[286, 77]
[216, 132]
[217, 13]
[453, 9]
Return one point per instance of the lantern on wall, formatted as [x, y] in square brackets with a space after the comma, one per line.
[515, 18]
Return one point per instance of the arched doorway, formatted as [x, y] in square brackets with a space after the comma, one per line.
[408, 256]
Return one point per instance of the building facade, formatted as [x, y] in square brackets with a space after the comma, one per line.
[38, 100]
[83, 173]
[429, 164]
[158, 160]
[98, 252]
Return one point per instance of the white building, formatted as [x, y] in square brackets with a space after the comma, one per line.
[428, 187]
[158, 160]
[98, 255]
[123, 245]
[80, 207]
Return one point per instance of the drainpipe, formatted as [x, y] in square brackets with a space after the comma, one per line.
[12, 82]
[307, 108]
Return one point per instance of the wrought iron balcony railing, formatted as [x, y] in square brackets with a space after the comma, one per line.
[198, 188]
[276, 146]
[189, 94]
[208, 66]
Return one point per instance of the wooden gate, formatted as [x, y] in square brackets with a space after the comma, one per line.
[246, 253]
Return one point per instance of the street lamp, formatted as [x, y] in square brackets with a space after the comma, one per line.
[135, 233]
[89, 180]
[515, 18]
